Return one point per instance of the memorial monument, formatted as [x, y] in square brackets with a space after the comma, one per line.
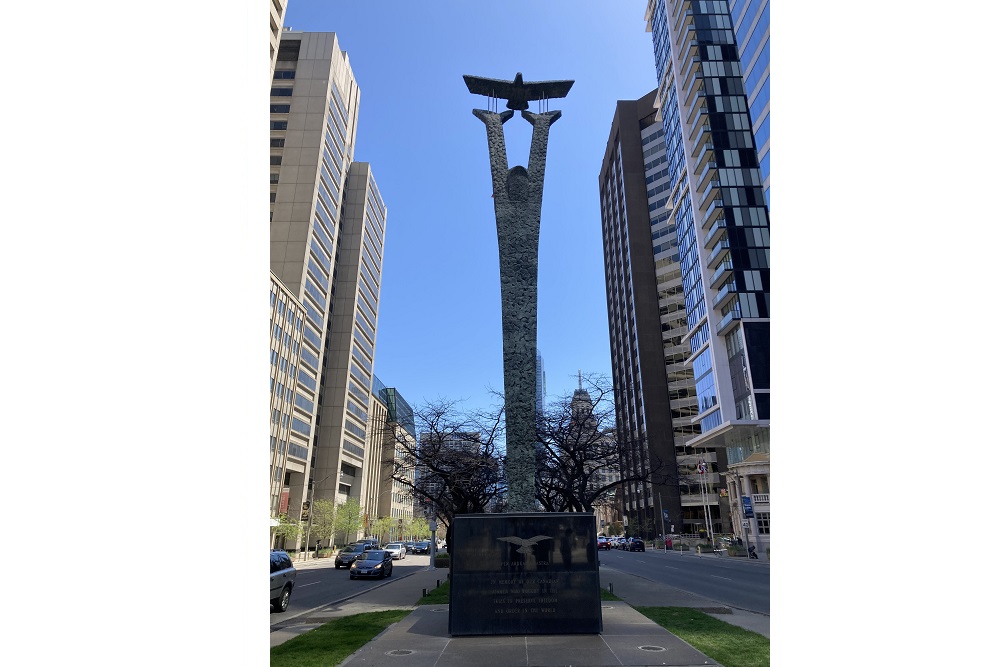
[523, 572]
[517, 201]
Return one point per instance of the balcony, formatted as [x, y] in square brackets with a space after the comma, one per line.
[691, 71]
[707, 153]
[683, 18]
[714, 212]
[723, 296]
[709, 192]
[696, 84]
[706, 173]
[716, 231]
[729, 322]
[720, 275]
[699, 133]
[718, 252]
[760, 498]
[696, 107]
[678, 11]
[685, 35]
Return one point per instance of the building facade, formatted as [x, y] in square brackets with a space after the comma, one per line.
[327, 231]
[752, 26]
[277, 10]
[346, 386]
[723, 233]
[654, 391]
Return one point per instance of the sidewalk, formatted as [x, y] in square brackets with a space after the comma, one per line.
[628, 638]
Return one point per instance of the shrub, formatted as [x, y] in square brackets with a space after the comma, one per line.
[442, 560]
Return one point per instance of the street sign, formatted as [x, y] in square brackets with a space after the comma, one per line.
[666, 515]
[747, 507]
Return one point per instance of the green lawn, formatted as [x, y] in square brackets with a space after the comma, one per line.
[729, 645]
[437, 595]
[332, 642]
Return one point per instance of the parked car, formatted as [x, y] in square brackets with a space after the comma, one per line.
[422, 548]
[372, 563]
[372, 544]
[635, 544]
[282, 580]
[603, 543]
[410, 546]
[397, 549]
[347, 555]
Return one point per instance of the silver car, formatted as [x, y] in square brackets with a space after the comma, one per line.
[397, 549]
[282, 580]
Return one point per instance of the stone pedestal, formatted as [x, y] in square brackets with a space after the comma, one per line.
[524, 574]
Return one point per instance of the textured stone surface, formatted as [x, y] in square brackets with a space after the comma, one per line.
[517, 200]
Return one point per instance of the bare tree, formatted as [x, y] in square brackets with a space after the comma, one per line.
[455, 465]
[579, 456]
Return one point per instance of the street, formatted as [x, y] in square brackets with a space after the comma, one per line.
[732, 581]
[320, 584]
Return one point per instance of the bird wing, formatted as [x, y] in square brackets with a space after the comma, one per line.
[537, 90]
[538, 538]
[479, 85]
[515, 540]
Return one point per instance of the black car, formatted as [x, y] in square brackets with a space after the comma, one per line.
[375, 563]
[282, 580]
[347, 555]
[422, 548]
[635, 544]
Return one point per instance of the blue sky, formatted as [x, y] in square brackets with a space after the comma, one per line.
[439, 317]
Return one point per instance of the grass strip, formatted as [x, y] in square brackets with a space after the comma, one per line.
[332, 642]
[605, 595]
[437, 595]
[727, 644]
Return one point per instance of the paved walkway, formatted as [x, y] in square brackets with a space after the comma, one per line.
[422, 640]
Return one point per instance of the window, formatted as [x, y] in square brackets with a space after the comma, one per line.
[277, 142]
[764, 523]
[284, 74]
[275, 160]
[281, 92]
[279, 124]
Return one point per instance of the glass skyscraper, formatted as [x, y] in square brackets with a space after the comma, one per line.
[720, 213]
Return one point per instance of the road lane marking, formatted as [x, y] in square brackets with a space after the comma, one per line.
[718, 577]
[309, 584]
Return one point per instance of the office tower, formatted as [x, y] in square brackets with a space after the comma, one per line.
[642, 282]
[390, 427]
[752, 25]
[289, 447]
[721, 217]
[277, 10]
[346, 386]
[327, 229]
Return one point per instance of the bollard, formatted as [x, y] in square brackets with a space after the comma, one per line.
[611, 588]
[438, 584]
[425, 593]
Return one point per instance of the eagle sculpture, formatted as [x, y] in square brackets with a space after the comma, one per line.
[525, 544]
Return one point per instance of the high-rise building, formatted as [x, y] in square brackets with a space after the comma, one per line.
[390, 426]
[346, 386]
[327, 231]
[723, 235]
[752, 25]
[643, 293]
[277, 10]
